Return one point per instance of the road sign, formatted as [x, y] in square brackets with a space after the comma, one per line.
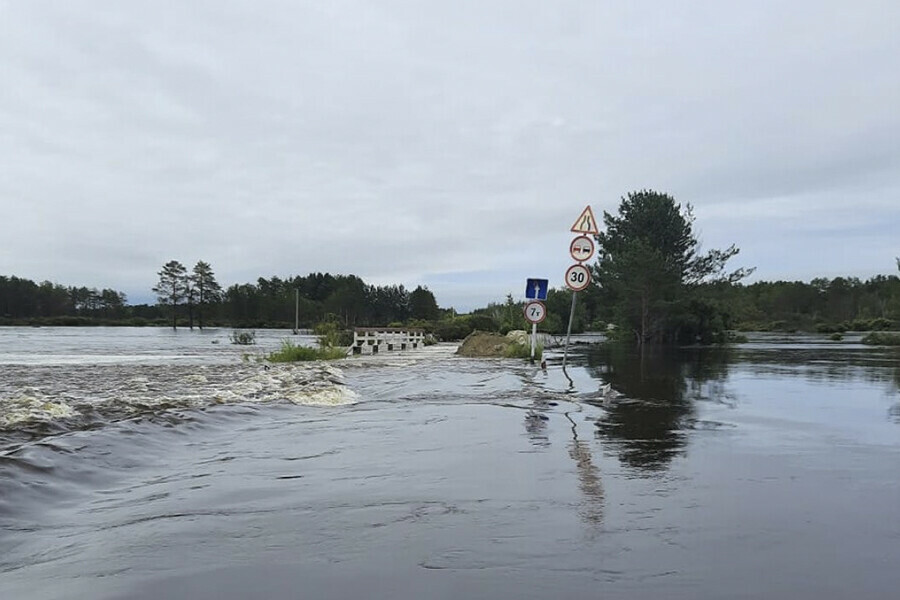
[585, 222]
[582, 248]
[535, 312]
[536, 289]
[578, 277]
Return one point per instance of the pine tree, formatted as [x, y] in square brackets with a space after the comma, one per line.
[172, 287]
[649, 269]
[206, 290]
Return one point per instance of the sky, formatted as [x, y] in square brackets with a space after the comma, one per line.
[445, 144]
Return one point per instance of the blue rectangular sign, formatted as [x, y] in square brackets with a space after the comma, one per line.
[536, 289]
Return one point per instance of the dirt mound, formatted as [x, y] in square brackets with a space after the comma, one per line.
[482, 344]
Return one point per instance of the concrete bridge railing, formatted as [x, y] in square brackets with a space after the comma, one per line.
[372, 340]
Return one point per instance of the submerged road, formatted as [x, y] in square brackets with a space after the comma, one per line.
[443, 477]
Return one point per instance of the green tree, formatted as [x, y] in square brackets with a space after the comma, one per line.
[112, 303]
[206, 290]
[172, 287]
[649, 270]
[422, 304]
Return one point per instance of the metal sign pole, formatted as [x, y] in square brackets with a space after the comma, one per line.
[568, 335]
[533, 337]
[578, 276]
[296, 311]
[537, 293]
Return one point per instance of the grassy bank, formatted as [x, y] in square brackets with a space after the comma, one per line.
[809, 325]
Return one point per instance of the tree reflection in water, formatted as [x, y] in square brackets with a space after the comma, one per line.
[649, 425]
[894, 410]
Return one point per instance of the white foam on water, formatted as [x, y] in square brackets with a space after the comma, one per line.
[334, 395]
[137, 389]
[32, 405]
[196, 378]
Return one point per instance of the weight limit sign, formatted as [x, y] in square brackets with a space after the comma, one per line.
[535, 312]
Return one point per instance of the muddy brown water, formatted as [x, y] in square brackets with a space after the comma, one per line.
[138, 464]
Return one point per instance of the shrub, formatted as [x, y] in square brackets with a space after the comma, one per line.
[836, 336]
[880, 324]
[515, 350]
[732, 337]
[452, 329]
[482, 323]
[243, 338]
[330, 335]
[878, 338]
[290, 352]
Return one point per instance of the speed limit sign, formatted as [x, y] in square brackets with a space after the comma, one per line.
[578, 277]
[535, 312]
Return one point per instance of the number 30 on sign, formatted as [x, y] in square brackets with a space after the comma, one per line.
[578, 277]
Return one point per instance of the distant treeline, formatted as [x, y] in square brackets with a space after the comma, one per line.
[322, 296]
[821, 305]
[272, 302]
[824, 305]
[24, 299]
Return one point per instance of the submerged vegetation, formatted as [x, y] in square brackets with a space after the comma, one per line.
[290, 352]
[332, 346]
[651, 273]
[243, 338]
[880, 338]
[520, 350]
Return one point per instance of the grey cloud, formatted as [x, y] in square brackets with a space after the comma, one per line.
[445, 142]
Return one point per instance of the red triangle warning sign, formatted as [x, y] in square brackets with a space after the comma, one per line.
[586, 222]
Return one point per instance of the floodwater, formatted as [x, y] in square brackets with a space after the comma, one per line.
[146, 464]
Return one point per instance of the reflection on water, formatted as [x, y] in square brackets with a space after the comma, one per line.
[429, 475]
[648, 423]
[589, 482]
[651, 423]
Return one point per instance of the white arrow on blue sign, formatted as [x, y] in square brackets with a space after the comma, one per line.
[536, 289]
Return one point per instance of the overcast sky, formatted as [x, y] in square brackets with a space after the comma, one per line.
[448, 144]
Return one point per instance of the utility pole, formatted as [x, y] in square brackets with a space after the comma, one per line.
[296, 311]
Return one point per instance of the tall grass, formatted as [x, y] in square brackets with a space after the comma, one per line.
[290, 352]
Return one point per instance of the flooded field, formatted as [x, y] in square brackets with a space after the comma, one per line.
[146, 463]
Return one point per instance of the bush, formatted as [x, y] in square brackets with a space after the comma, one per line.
[243, 338]
[523, 351]
[733, 337]
[330, 335]
[877, 338]
[878, 324]
[290, 352]
[455, 328]
[482, 323]
[836, 336]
